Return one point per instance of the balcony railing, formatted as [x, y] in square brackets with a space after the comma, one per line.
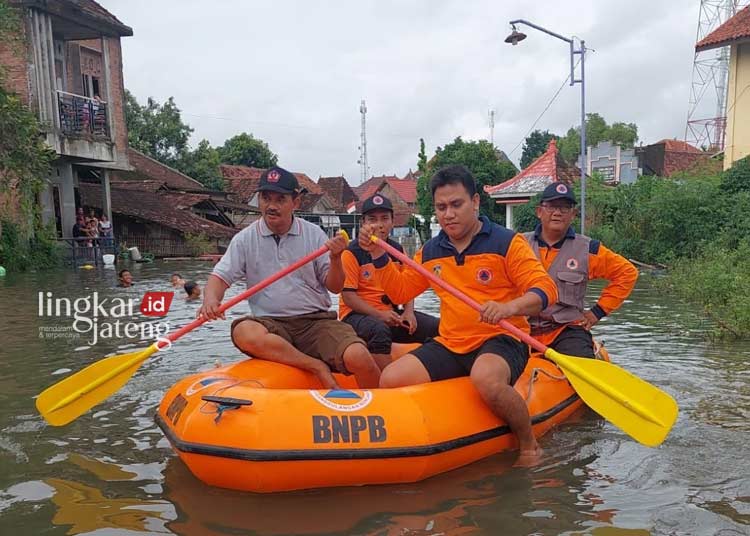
[82, 116]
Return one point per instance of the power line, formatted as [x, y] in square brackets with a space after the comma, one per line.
[554, 97]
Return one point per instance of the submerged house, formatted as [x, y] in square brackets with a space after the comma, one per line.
[66, 66]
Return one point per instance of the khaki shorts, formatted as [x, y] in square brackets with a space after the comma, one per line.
[318, 335]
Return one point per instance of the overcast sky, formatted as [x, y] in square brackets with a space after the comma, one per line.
[293, 72]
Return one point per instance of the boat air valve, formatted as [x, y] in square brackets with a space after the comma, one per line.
[224, 403]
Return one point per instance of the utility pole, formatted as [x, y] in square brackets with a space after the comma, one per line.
[365, 170]
[492, 127]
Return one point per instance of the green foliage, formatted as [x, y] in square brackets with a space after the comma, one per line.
[245, 150]
[623, 134]
[422, 157]
[737, 178]
[484, 162]
[598, 208]
[597, 130]
[157, 129]
[24, 163]
[198, 243]
[202, 164]
[717, 279]
[24, 157]
[535, 145]
[19, 253]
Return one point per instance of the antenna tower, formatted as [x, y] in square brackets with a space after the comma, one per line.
[492, 127]
[365, 170]
[707, 109]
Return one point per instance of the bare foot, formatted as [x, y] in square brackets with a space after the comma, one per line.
[529, 458]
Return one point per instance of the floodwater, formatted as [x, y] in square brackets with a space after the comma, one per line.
[111, 472]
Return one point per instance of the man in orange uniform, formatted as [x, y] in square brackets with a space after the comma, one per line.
[365, 306]
[572, 260]
[495, 267]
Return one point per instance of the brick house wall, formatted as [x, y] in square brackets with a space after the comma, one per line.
[14, 63]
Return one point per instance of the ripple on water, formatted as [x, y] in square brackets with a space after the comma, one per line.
[113, 465]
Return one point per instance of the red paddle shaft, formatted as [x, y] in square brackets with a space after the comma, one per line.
[245, 295]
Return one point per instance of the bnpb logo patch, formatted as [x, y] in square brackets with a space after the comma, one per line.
[343, 399]
[274, 176]
[572, 264]
[561, 189]
[377, 200]
[437, 269]
[484, 275]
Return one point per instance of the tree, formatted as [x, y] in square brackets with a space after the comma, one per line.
[535, 145]
[597, 129]
[484, 162]
[422, 157]
[245, 150]
[157, 129]
[202, 164]
[623, 134]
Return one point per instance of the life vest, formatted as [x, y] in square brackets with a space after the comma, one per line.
[570, 271]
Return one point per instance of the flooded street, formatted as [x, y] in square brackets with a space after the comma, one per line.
[111, 471]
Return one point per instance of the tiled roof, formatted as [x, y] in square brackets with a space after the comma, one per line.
[338, 190]
[148, 168]
[405, 188]
[548, 168]
[93, 9]
[309, 201]
[369, 187]
[153, 207]
[81, 9]
[678, 146]
[182, 201]
[412, 175]
[243, 181]
[735, 29]
[137, 184]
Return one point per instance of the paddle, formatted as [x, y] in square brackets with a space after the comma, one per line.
[75, 395]
[640, 409]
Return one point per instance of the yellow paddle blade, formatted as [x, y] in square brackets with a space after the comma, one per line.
[641, 410]
[75, 395]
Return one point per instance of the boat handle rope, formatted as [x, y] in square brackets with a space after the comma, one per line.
[535, 376]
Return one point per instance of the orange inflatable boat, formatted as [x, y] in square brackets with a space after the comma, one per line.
[264, 427]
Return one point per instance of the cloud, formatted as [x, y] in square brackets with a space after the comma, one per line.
[293, 73]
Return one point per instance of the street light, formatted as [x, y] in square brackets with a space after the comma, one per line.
[514, 38]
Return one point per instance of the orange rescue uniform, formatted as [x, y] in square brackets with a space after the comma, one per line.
[498, 265]
[603, 264]
[361, 276]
